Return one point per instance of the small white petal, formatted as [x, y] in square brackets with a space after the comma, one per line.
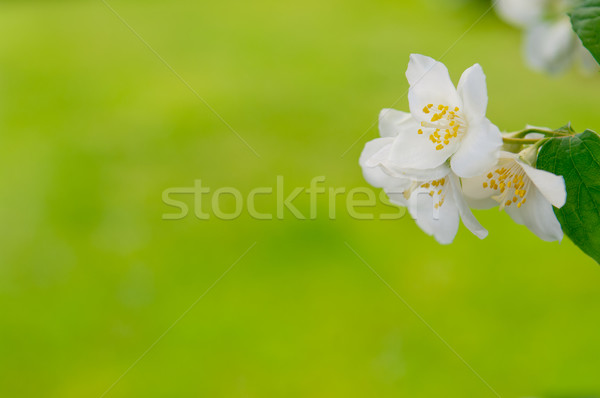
[537, 214]
[392, 122]
[473, 91]
[374, 153]
[478, 151]
[551, 186]
[466, 215]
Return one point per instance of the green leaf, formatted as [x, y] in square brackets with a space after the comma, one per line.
[585, 18]
[577, 159]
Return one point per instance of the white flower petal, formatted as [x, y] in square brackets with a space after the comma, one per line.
[418, 66]
[551, 46]
[478, 151]
[417, 174]
[446, 227]
[374, 153]
[481, 204]
[506, 156]
[392, 122]
[442, 223]
[429, 84]
[515, 213]
[537, 214]
[412, 150]
[473, 187]
[396, 196]
[466, 215]
[378, 154]
[472, 90]
[551, 186]
[476, 195]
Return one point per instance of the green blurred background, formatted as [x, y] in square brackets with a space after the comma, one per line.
[93, 128]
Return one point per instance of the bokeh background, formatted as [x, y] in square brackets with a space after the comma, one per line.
[93, 128]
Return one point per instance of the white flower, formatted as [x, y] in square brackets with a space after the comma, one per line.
[444, 122]
[525, 193]
[433, 197]
[551, 45]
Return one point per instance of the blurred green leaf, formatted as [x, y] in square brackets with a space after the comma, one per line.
[577, 159]
[585, 18]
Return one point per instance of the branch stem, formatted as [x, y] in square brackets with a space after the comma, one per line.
[551, 133]
[521, 140]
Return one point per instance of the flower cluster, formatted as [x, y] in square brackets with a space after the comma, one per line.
[551, 45]
[445, 156]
